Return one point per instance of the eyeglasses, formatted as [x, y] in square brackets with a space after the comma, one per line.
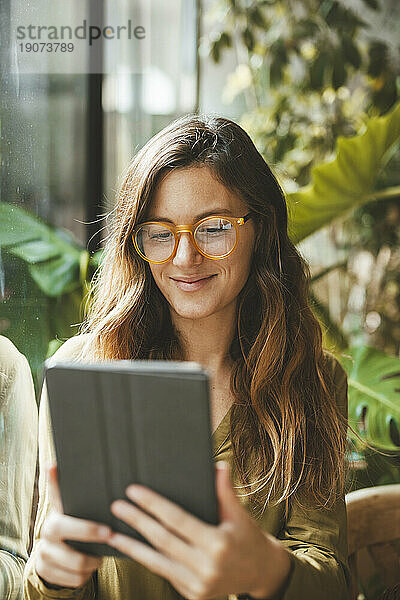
[214, 237]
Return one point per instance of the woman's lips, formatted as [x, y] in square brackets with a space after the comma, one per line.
[192, 286]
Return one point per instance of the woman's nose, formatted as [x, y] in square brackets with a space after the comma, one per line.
[186, 253]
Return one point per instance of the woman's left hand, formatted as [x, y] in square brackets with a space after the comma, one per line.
[202, 561]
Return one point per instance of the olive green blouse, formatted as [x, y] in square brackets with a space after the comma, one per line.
[316, 539]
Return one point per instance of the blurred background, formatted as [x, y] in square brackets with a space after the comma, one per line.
[316, 85]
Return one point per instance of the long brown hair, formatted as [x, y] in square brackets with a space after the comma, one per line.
[288, 438]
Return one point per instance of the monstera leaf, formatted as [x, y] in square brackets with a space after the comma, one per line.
[349, 180]
[374, 395]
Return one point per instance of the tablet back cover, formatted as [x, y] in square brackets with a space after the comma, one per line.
[124, 422]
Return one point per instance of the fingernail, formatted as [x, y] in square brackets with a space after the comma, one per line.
[221, 464]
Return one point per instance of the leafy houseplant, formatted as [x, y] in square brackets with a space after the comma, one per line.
[336, 188]
[49, 273]
[307, 71]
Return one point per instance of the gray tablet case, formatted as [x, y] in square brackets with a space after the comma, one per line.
[122, 422]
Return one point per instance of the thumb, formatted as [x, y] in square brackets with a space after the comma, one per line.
[229, 506]
[54, 490]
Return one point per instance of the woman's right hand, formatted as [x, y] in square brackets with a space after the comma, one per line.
[56, 562]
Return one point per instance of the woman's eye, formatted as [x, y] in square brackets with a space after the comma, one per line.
[161, 236]
[211, 230]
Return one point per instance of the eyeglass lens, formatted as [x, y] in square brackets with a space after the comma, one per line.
[214, 237]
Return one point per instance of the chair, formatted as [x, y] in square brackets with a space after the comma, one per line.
[373, 517]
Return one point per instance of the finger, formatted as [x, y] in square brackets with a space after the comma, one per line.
[150, 558]
[56, 575]
[54, 491]
[59, 527]
[158, 535]
[172, 516]
[229, 504]
[63, 556]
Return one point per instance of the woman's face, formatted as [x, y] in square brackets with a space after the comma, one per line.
[183, 197]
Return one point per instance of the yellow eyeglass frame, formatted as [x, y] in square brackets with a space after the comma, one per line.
[177, 229]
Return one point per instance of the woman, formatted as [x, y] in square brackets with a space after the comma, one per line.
[231, 294]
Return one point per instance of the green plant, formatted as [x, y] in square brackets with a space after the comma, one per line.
[336, 189]
[307, 70]
[350, 179]
[374, 393]
[49, 273]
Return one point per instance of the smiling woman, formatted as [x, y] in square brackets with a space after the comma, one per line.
[199, 266]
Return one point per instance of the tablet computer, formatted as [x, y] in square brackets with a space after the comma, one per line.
[121, 422]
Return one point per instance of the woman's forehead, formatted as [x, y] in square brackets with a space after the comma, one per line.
[191, 192]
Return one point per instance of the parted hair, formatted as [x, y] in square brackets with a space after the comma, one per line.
[288, 436]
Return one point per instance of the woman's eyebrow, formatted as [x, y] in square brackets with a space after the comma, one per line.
[214, 211]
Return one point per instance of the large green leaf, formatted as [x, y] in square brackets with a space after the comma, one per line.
[374, 395]
[346, 182]
[53, 257]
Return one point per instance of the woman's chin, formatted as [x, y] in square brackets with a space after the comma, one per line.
[191, 310]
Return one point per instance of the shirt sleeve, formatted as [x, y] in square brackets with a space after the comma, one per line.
[34, 587]
[18, 453]
[317, 539]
